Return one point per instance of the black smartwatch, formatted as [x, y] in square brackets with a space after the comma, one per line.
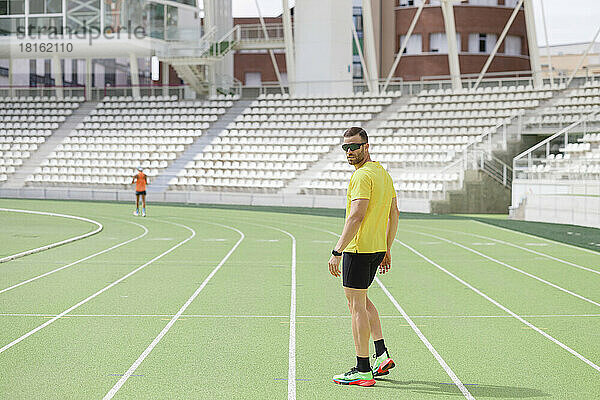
[336, 253]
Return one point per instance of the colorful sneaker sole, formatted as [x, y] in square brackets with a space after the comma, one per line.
[359, 382]
[385, 367]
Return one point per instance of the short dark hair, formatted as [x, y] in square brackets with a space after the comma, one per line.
[356, 130]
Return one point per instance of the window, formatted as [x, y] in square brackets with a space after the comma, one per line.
[12, 7]
[481, 42]
[512, 45]
[511, 3]
[409, 3]
[253, 79]
[483, 2]
[439, 44]
[415, 44]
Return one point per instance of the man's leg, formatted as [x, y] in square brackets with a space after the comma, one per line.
[361, 329]
[383, 363]
[144, 205]
[374, 322]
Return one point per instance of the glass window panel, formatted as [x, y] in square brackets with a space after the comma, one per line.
[9, 25]
[16, 7]
[53, 6]
[3, 7]
[156, 20]
[36, 6]
[45, 25]
[78, 16]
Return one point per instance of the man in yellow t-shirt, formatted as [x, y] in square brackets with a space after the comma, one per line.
[369, 231]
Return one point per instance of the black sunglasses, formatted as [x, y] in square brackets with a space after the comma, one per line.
[352, 146]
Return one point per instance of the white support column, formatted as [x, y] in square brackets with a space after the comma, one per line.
[88, 78]
[362, 60]
[450, 25]
[550, 69]
[134, 73]
[532, 44]
[58, 78]
[165, 78]
[290, 59]
[271, 53]
[369, 43]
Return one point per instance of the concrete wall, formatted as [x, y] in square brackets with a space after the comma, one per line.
[320, 201]
[563, 202]
[323, 46]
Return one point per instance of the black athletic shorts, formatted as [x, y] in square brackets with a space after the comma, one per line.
[359, 269]
[138, 193]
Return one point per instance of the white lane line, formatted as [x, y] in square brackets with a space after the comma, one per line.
[427, 344]
[287, 316]
[292, 342]
[539, 238]
[292, 321]
[516, 246]
[422, 337]
[68, 310]
[157, 339]
[541, 332]
[81, 260]
[511, 267]
[51, 245]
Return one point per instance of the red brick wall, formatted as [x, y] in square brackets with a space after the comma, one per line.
[413, 67]
[252, 62]
[469, 19]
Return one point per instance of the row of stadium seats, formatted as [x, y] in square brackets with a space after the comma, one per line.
[26, 122]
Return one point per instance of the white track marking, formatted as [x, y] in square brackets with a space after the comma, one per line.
[511, 267]
[541, 332]
[292, 342]
[422, 337]
[81, 260]
[517, 246]
[427, 344]
[157, 339]
[51, 245]
[25, 336]
[539, 237]
[287, 316]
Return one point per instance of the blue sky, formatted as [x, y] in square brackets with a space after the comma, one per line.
[569, 21]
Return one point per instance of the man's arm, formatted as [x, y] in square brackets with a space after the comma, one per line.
[358, 209]
[392, 227]
[134, 178]
[392, 223]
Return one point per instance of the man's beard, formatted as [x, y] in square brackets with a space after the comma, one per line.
[356, 160]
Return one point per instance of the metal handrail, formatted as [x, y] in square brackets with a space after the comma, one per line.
[546, 142]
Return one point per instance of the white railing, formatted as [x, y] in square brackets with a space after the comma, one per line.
[524, 162]
[255, 32]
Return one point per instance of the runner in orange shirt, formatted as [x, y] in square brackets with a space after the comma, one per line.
[141, 180]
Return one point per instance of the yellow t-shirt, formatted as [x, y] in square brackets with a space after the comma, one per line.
[371, 181]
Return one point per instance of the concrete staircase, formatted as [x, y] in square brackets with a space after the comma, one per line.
[17, 180]
[161, 182]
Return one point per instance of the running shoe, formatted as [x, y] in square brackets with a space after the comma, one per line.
[136, 213]
[354, 377]
[143, 213]
[382, 364]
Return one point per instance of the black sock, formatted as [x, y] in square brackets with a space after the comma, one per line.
[362, 364]
[379, 347]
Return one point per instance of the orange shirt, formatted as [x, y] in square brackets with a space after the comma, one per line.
[140, 184]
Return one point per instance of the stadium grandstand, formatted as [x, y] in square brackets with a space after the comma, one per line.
[239, 110]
